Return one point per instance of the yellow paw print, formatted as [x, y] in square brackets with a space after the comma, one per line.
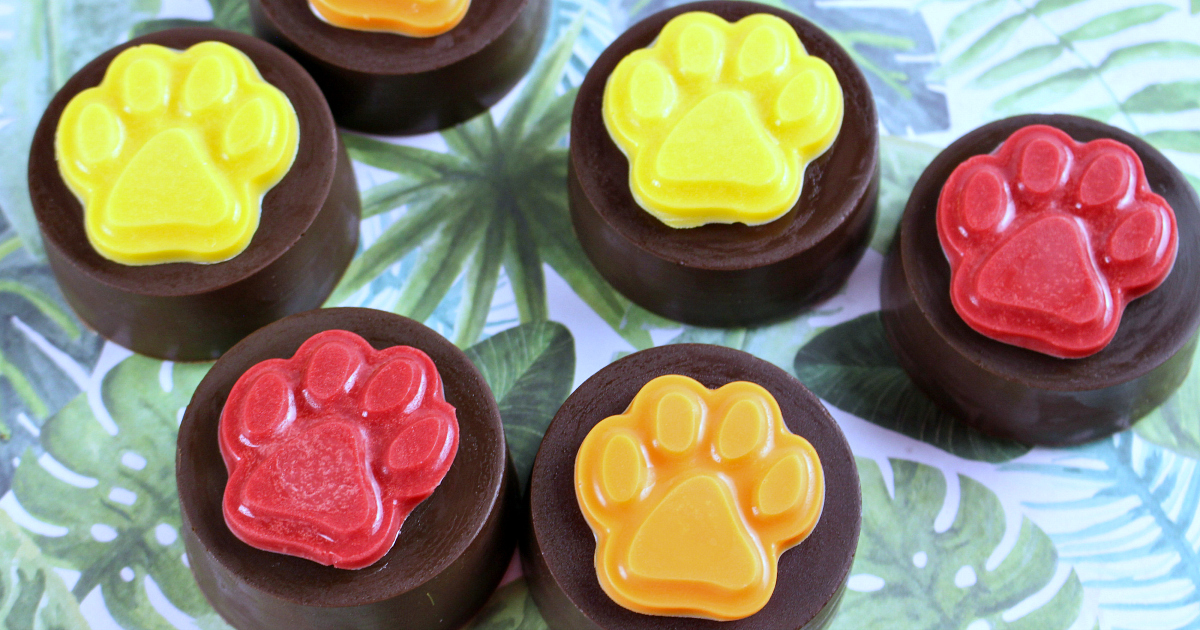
[693, 494]
[719, 120]
[172, 153]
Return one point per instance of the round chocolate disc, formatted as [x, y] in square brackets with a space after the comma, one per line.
[307, 233]
[1020, 394]
[727, 274]
[452, 550]
[386, 83]
[558, 552]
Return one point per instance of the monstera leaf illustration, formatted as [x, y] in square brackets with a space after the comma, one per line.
[107, 484]
[32, 595]
[909, 573]
[530, 369]
[44, 351]
[852, 366]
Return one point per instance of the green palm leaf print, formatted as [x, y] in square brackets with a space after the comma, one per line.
[495, 201]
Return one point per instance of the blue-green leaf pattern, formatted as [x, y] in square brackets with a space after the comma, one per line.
[469, 230]
[1132, 531]
[43, 42]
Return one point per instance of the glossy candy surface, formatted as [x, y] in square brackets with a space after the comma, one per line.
[172, 153]
[329, 451]
[1049, 239]
[693, 494]
[415, 18]
[719, 121]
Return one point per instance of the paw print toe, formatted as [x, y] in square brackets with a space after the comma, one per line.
[1106, 180]
[699, 49]
[652, 92]
[1137, 237]
[800, 98]
[331, 371]
[780, 490]
[763, 51]
[1049, 239]
[808, 111]
[248, 129]
[328, 452]
[211, 81]
[98, 135]
[677, 423]
[268, 407]
[693, 494]
[398, 384]
[417, 444]
[1043, 165]
[623, 471]
[985, 200]
[743, 430]
[172, 153]
[719, 121]
[144, 85]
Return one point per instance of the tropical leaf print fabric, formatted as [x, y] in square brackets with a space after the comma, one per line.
[468, 230]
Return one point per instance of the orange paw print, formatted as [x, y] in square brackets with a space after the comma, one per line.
[414, 18]
[693, 494]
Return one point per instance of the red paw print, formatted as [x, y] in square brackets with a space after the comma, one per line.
[329, 451]
[1048, 240]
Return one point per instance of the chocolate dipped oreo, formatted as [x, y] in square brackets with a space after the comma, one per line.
[385, 83]
[726, 274]
[306, 235]
[559, 549]
[452, 550]
[1018, 393]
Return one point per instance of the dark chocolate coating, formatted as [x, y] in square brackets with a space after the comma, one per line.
[451, 552]
[727, 274]
[390, 84]
[1020, 394]
[306, 237]
[558, 550]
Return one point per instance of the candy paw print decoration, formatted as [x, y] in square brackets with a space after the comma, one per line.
[330, 451]
[172, 153]
[1048, 240]
[693, 494]
[414, 18]
[719, 121]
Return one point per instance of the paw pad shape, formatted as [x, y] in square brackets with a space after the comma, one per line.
[329, 451]
[693, 494]
[1049, 239]
[172, 153]
[415, 18]
[719, 121]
